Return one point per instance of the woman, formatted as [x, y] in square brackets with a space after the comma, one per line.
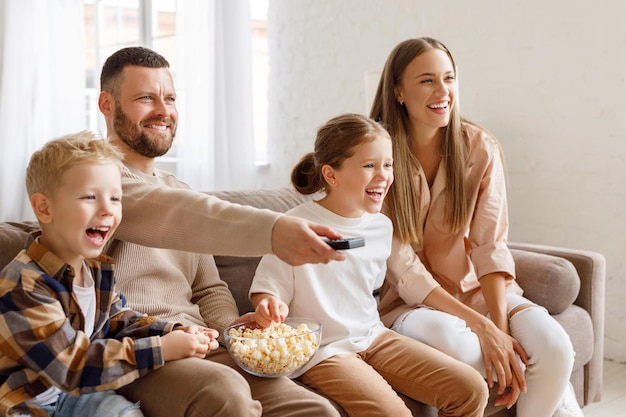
[451, 278]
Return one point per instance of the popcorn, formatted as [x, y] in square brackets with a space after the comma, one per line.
[277, 349]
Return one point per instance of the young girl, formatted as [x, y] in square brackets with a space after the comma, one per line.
[449, 211]
[360, 362]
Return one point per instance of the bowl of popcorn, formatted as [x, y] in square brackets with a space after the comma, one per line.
[277, 350]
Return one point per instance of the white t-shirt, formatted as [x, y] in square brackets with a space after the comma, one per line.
[338, 294]
[86, 298]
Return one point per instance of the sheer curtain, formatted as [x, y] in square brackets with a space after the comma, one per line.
[41, 87]
[214, 81]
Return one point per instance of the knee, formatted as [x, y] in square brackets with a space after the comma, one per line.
[557, 355]
[196, 387]
[472, 394]
[477, 390]
[475, 384]
[546, 342]
[109, 403]
[227, 394]
[132, 412]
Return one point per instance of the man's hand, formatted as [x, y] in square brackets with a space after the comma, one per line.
[297, 241]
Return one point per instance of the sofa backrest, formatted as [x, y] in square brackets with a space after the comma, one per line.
[549, 274]
[13, 236]
[238, 272]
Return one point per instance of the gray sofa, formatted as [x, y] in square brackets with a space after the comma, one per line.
[568, 282]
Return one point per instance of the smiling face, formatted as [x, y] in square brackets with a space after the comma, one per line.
[428, 89]
[80, 216]
[361, 182]
[145, 114]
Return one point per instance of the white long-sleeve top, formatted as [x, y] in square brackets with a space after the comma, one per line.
[338, 294]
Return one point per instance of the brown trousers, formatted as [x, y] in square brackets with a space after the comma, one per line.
[216, 387]
[365, 384]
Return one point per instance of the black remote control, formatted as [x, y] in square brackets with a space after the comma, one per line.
[347, 243]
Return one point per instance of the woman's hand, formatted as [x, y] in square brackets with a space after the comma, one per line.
[500, 352]
[499, 348]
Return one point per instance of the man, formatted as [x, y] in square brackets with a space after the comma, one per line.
[159, 269]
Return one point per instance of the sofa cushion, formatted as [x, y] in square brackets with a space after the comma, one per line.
[238, 272]
[577, 323]
[13, 239]
[547, 280]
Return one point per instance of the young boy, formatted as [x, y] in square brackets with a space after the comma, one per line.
[66, 338]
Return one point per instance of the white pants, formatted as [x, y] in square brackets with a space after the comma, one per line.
[547, 345]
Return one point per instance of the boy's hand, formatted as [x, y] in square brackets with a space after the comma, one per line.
[270, 309]
[297, 241]
[179, 344]
[211, 333]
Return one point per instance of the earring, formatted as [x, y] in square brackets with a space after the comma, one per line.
[401, 102]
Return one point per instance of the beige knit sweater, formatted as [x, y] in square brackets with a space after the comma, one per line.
[161, 211]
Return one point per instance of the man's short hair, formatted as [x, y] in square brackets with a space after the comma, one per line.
[47, 165]
[110, 77]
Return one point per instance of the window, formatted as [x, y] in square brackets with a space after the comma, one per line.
[260, 74]
[114, 24]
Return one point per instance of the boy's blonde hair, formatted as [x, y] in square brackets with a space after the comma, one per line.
[47, 165]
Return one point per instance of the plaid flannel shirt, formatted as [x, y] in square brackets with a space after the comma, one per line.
[42, 342]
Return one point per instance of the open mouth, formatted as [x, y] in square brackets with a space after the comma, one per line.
[158, 124]
[442, 105]
[376, 192]
[157, 127]
[98, 234]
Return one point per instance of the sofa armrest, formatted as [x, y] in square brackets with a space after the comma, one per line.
[591, 268]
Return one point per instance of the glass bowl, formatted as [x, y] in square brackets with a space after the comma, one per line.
[278, 350]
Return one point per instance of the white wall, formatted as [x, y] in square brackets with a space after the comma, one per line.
[547, 78]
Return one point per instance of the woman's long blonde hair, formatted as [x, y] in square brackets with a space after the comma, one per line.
[402, 204]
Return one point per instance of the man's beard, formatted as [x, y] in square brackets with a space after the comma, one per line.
[136, 139]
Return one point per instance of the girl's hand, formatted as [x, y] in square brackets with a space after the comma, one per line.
[180, 344]
[510, 396]
[499, 348]
[269, 309]
[247, 317]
